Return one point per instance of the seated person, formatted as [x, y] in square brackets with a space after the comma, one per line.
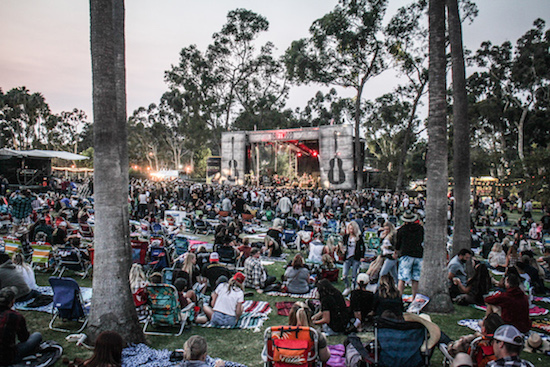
[227, 302]
[300, 315]
[297, 276]
[497, 257]
[316, 248]
[273, 239]
[334, 315]
[507, 345]
[25, 270]
[185, 295]
[195, 350]
[11, 277]
[12, 325]
[107, 350]
[361, 301]
[244, 251]
[482, 350]
[456, 269]
[524, 266]
[512, 305]
[476, 287]
[387, 297]
[256, 275]
[213, 270]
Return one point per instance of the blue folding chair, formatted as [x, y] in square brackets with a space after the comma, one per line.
[67, 303]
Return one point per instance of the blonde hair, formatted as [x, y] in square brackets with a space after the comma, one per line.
[328, 261]
[300, 315]
[355, 227]
[188, 265]
[137, 277]
[386, 288]
[232, 284]
[392, 231]
[497, 247]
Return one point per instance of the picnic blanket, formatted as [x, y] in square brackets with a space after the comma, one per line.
[471, 323]
[337, 356]
[253, 317]
[542, 325]
[310, 295]
[144, 356]
[47, 290]
[283, 308]
[541, 299]
[282, 258]
[533, 311]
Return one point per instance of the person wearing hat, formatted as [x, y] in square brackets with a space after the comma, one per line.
[409, 240]
[535, 344]
[227, 302]
[12, 325]
[213, 270]
[507, 345]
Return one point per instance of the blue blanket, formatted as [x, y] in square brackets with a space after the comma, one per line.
[86, 298]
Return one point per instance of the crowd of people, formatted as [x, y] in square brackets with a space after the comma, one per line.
[375, 238]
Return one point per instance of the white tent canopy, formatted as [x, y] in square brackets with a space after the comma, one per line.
[35, 153]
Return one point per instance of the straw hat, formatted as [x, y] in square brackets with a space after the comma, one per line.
[535, 344]
[409, 217]
[424, 319]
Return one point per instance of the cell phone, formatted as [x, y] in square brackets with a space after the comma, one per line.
[177, 355]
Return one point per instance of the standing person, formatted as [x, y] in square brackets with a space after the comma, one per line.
[334, 314]
[507, 345]
[388, 250]
[12, 325]
[545, 223]
[21, 208]
[409, 245]
[353, 249]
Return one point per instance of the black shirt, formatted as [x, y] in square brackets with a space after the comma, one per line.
[339, 313]
[362, 301]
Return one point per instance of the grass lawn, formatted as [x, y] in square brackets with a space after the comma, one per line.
[244, 346]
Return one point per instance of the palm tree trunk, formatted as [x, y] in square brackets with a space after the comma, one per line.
[461, 137]
[433, 280]
[112, 304]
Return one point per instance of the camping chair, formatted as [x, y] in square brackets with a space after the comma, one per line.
[158, 259]
[86, 231]
[12, 245]
[201, 226]
[41, 254]
[181, 245]
[291, 346]
[139, 251]
[164, 309]
[70, 258]
[188, 224]
[480, 352]
[227, 254]
[67, 303]
[399, 343]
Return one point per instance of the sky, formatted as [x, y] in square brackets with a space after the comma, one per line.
[45, 45]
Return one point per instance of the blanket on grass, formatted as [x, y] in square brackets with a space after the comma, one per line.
[543, 325]
[144, 356]
[310, 295]
[533, 311]
[541, 299]
[253, 317]
[47, 290]
[283, 308]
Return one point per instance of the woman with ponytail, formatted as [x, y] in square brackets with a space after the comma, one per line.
[300, 315]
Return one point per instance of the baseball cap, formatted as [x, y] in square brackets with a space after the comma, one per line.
[363, 278]
[239, 277]
[214, 257]
[509, 334]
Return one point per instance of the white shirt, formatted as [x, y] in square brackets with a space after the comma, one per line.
[226, 303]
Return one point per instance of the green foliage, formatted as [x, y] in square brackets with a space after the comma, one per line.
[199, 159]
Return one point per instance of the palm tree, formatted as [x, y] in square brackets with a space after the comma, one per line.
[433, 281]
[461, 136]
[112, 304]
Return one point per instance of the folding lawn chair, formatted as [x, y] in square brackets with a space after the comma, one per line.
[399, 343]
[86, 231]
[12, 245]
[41, 254]
[70, 258]
[286, 346]
[139, 251]
[67, 303]
[181, 245]
[158, 258]
[164, 309]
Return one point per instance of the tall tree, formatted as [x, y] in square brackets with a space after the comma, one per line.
[112, 304]
[345, 49]
[433, 280]
[461, 133]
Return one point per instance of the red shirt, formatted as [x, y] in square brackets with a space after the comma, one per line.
[515, 308]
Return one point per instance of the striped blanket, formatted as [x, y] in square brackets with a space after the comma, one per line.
[253, 317]
[533, 311]
[144, 356]
[310, 295]
[47, 290]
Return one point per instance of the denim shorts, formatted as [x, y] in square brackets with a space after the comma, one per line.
[221, 319]
[409, 268]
